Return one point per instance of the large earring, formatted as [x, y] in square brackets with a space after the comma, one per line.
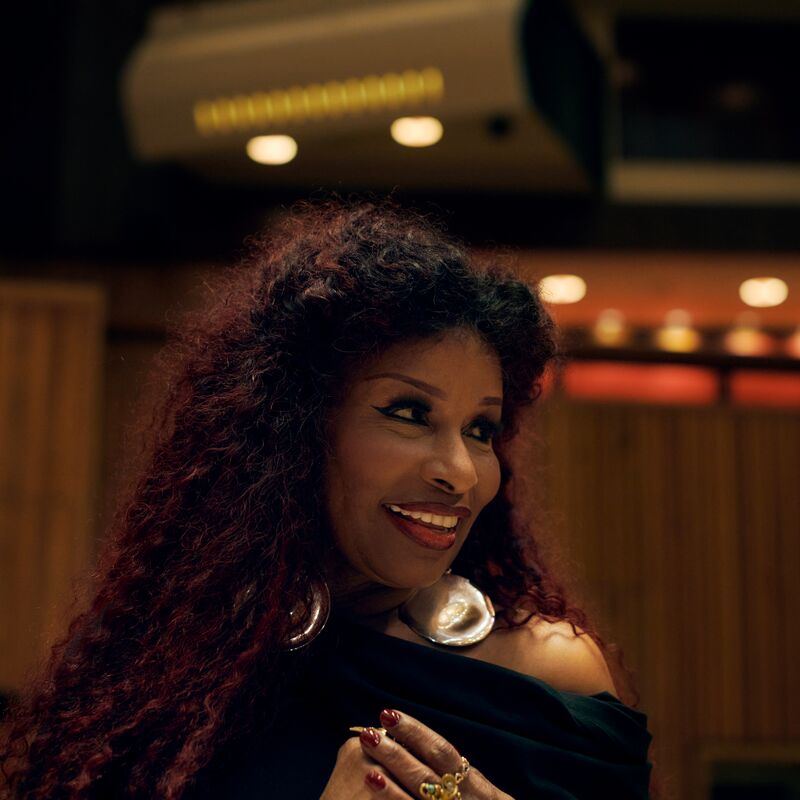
[319, 609]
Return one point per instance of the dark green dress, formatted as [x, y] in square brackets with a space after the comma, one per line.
[529, 739]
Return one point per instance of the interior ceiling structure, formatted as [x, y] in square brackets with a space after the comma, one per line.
[205, 79]
[519, 90]
[80, 190]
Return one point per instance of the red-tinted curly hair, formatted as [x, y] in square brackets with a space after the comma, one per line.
[220, 532]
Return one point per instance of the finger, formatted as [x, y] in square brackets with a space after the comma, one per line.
[381, 783]
[425, 743]
[478, 785]
[404, 767]
[375, 779]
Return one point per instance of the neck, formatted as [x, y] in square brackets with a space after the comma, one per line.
[357, 596]
[371, 601]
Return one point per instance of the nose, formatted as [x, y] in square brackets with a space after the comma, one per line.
[451, 463]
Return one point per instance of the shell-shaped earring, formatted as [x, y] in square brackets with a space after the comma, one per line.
[319, 610]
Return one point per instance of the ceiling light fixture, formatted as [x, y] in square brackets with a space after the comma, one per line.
[416, 131]
[763, 292]
[561, 289]
[677, 334]
[274, 149]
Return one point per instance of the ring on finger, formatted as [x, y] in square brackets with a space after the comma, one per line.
[447, 787]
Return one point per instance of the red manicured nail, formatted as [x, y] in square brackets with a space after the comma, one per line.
[389, 717]
[370, 737]
[375, 780]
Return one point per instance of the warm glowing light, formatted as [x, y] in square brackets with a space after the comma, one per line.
[748, 342]
[417, 131]
[677, 335]
[678, 318]
[642, 383]
[610, 329]
[317, 101]
[745, 338]
[763, 292]
[562, 289]
[792, 343]
[272, 149]
[767, 389]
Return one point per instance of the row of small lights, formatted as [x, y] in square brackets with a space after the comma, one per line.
[677, 334]
[334, 99]
[408, 131]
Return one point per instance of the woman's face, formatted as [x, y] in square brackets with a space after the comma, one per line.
[420, 435]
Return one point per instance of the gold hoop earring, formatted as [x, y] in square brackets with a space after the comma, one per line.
[315, 613]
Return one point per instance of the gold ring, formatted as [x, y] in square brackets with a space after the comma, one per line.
[447, 787]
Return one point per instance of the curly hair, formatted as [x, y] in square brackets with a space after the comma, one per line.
[218, 533]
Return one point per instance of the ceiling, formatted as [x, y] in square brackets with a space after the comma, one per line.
[78, 190]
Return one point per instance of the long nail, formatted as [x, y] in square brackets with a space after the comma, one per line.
[389, 717]
[370, 737]
[375, 780]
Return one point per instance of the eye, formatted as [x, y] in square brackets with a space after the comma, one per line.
[490, 428]
[392, 411]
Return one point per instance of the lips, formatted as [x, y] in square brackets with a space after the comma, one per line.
[434, 508]
[421, 522]
[422, 534]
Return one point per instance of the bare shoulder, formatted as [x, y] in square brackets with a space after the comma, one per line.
[554, 653]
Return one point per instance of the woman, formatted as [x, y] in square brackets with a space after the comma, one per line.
[318, 585]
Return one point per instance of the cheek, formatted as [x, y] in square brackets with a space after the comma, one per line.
[366, 463]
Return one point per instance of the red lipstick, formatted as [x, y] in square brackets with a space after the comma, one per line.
[422, 534]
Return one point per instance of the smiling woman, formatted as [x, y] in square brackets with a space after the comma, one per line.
[411, 450]
[323, 536]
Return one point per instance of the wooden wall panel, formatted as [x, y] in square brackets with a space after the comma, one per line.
[684, 525]
[51, 342]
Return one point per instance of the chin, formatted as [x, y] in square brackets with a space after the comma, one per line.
[419, 580]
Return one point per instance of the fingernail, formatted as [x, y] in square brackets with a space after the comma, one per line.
[375, 780]
[389, 717]
[370, 737]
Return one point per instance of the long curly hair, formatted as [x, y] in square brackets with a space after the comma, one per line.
[219, 532]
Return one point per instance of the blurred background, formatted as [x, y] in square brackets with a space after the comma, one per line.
[641, 158]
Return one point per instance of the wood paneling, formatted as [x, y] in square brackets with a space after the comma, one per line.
[684, 524]
[681, 524]
[51, 341]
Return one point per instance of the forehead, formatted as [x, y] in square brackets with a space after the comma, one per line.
[459, 358]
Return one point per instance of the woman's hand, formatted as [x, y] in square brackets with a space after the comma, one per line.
[411, 754]
[356, 776]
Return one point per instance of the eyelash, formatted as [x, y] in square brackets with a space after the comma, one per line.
[408, 402]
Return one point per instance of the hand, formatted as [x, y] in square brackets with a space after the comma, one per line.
[356, 776]
[410, 754]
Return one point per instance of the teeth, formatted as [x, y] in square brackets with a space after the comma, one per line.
[424, 516]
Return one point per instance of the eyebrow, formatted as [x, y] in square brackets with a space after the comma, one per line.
[426, 387]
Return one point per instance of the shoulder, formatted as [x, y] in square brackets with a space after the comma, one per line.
[557, 655]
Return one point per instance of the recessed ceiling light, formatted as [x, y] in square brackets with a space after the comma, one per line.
[562, 288]
[275, 149]
[610, 328]
[677, 335]
[746, 340]
[417, 131]
[792, 343]
[763, 292]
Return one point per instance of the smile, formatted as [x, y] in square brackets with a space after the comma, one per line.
[428, 535]
[437, 522]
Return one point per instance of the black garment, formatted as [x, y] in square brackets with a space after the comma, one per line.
[529, 739]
